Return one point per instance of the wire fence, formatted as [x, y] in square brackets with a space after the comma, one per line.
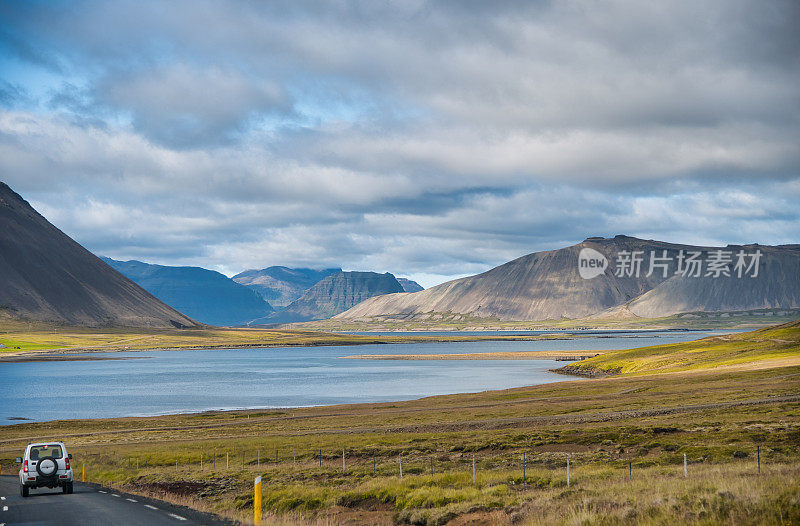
[343, 462]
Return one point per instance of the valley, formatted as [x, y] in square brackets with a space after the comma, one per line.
[625, 437]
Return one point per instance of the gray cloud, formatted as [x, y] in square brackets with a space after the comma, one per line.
[183, 106]
[425, 138]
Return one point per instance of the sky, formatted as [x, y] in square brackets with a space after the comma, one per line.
[427, 139]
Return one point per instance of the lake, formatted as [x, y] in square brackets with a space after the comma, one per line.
[163, 382]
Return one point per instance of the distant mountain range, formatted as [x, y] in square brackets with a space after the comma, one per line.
[409, 285]
[618, 281]
[213, 298]
[282, 285]
[205, 295]
[334, 294]
[46, 276]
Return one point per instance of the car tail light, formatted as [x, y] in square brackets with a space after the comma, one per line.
[66, 461]
[25, 467]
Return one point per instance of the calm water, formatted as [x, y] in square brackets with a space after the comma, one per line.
[159, 382]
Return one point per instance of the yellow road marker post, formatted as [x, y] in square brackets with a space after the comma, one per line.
[83, 473]
[257, 501]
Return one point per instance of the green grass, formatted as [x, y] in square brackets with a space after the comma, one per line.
[42, 336]
[13, 344]
[774, 343]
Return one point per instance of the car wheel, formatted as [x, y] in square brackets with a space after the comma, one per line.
[23, 490]
[70, 488]
[65, 488]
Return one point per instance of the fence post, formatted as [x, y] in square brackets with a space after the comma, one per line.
[320, 457]
[257, 500]
[201, 462]
[758, 454]
[227, 459]
[685, 472]
[431, 465]
[343, 468]
[630, 470]
[401, 465]
[523, 469]
[373, 463]
[473, 468]
[567, 471]
[276, 455]
[258, 458]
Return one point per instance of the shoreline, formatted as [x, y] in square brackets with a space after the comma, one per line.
[567, 356]
[266, 414]
[9, 355]
[62, 354]
[278, 410]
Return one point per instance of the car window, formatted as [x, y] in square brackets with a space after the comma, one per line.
[43, 451]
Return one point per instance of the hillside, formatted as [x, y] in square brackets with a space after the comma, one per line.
[547, 285]
[282, 285]
[774, 346]
[46, 276]
[335, 294]
[207, 296]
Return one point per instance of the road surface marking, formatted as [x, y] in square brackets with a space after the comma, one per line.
[131, 500]
[101, 491]
[2, 498]
[114, 495]
[5, 508]
[177, 516]
[151, 507]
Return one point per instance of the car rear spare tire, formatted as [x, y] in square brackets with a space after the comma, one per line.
[47, 467]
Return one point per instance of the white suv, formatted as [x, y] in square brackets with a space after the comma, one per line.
[45, 465]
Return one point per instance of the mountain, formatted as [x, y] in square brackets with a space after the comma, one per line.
[409, 285]
[46, 276]
[282, 285]
[548, 285]
[334, 294]
[205, 295]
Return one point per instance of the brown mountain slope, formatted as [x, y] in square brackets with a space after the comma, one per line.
[46, 276]
[547, 285]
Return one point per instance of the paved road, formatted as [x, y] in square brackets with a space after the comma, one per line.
[90, 505]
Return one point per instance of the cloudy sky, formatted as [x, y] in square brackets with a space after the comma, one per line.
[428, 139]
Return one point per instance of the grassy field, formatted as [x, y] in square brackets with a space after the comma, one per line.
[21, 337]
[777, 345]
